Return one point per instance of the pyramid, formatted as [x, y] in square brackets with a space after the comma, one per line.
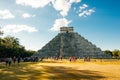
[69, 43]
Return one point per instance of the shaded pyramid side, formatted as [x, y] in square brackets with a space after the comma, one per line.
[71, 44]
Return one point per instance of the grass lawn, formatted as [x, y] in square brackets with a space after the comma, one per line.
[61, 70]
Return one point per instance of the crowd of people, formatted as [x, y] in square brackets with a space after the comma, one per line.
[9, 61]
[17, 60]
[87, 59]
[31, 59]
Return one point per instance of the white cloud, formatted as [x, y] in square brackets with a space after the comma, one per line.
[60, 5]
[84, 6]
[33, 3]
[6, 14]
[26, 15]
[60, 23]
[18, 28]
[75, 1]
[63, 6]
[86, 13]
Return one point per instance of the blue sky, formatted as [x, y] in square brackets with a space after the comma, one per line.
[36, 22]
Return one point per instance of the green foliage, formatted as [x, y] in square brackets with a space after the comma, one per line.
[10, 47]
[119, 53]
[108, 52]
[114, 53]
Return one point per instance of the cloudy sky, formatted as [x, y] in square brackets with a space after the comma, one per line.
[36, 22]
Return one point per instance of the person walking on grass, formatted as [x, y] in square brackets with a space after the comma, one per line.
[8, 61]
[14, 59]
[18, 60]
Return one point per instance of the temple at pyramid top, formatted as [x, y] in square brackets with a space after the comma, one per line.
[66, 30]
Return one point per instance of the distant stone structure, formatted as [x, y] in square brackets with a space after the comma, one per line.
[69, 43]
[66, 30]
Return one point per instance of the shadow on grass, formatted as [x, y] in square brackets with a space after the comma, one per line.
[24, 72]
[64, 73]
[19, 72]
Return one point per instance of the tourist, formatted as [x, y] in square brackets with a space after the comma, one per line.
[85, 58]
[61, 58]
[18, 60]
[10, 61]
[7, 61]
[14, 59]
[70, 59]
[88, 58]
[73, 58]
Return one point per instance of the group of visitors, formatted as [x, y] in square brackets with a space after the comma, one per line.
[73, 58]
[9, 60]
[87, 59]
[31, 59]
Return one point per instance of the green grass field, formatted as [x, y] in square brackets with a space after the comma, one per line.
[61, 70]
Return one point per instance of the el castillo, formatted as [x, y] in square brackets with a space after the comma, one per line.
[68, 43]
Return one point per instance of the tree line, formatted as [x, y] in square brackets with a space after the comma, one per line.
[115, 53]
[10, 47]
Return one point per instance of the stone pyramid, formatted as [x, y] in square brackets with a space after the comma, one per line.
[69, 43]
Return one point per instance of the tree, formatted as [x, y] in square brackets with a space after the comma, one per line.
[115, 53]
[10, 47]
[119, 54]
[11, 42]
[108, 52]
